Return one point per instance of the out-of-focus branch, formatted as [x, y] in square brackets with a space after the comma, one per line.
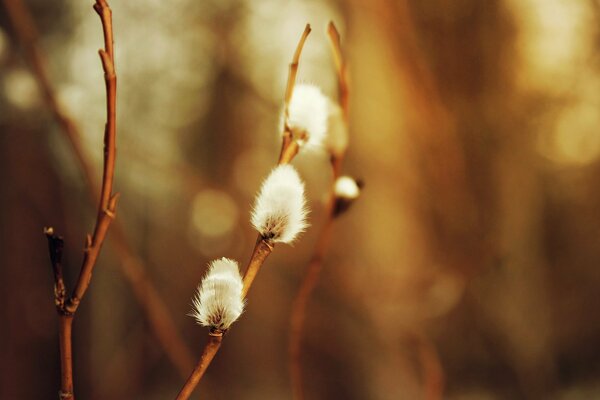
[432, 372]
[131, 265]
[27, 35]
[315, 265]
[341, 68]
[299, 305]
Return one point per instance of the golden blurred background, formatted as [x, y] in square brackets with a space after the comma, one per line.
[468, 267]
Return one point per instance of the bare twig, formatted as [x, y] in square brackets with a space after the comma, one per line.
[341, 67]
[67, 307]
[289, 90]
[55, 247]
[131, 265]
[315, 265]
[108, 201]
[299, 305]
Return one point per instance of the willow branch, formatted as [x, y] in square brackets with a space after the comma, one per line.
[27, 35]
[432, 372]
[261, 251]
[315, 265]
[289, 147]
[131, 265]
[341, 68]
[263, 246]
[289, 90]
[209, 352]
[108, 201]
[299, 305]
[67, 307]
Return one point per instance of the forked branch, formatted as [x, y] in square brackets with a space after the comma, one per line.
[108, 200]
[130, 264]
[67, 306]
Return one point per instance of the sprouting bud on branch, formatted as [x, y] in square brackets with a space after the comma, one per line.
[346, 190]
[307, 115]
[316, 121]
[218, 302]
[279, 213]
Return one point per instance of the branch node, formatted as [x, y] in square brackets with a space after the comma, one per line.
[62, 395]
[88, 243]
[109, 213]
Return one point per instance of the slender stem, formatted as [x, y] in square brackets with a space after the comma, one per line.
[106, 212]
[341, 67]
[66, 357]
[27, 34]
[315, 265]
[289, 146]
[300, 303]
[262, 249]
[289, 90]
[431, 366]
[209, 352]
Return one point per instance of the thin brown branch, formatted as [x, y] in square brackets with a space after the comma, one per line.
[289, 146]
[131, 265]
[26, 31]
[108, 201]
[106, 212]
[65, 325]
[315, 265]
[432, 372]
[300, 303]
[209, 352]
[289, 90]
[341, 68]
[262, 249]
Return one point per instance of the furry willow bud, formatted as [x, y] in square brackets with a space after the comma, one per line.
[280, 210]
[218, 302]
[346, 190]
[307, 115]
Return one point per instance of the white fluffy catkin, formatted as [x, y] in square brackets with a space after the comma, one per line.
[346, 188]
[308, 114]
[280, 208]
[218, 301]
